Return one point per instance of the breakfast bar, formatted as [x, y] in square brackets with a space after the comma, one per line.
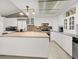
[31, 44]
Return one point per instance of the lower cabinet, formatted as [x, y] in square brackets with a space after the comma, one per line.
[63, 40]
[67, 44]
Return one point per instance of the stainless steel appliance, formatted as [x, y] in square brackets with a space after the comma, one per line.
[75, 48]
[60, 29]
[11, 28]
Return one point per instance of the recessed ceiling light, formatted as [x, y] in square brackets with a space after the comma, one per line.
[21, 13]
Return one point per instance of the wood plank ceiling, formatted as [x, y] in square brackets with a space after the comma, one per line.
[53, 7]
[42, 7]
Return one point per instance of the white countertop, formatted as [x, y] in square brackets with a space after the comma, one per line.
[26, 34]
[67, 34]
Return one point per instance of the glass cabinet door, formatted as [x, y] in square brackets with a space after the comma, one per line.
[65, 23]
[71, 23]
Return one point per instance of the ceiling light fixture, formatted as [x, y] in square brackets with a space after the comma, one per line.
[33, 12]
[27, 12]
[21, 13]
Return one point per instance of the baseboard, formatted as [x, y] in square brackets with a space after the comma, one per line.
[24, 56]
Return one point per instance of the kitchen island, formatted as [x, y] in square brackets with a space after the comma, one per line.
[30, 44]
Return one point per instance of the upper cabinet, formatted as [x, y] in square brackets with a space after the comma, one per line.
[65, 23]
[21, 23]
[70, 21]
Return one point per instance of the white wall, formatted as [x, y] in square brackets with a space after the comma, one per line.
[60, 20]
[1, 25]
[54, 23]
[51, 20]
[10, 22]
[39, 21]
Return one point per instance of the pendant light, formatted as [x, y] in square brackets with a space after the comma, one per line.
[27, 12]
[33, 12]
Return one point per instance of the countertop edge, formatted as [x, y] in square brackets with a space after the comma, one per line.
[67, 34]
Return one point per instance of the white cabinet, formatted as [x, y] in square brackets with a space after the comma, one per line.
[63, 40]
[10, 22]
[70, 24]
[22, 24]
[67, 44]
[25, 46]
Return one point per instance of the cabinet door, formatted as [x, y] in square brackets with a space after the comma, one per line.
[22, 24]
[67, 46]
[71, 24]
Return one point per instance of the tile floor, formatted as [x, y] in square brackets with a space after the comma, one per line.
[55, 52]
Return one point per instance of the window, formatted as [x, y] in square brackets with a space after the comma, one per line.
[30, 21]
